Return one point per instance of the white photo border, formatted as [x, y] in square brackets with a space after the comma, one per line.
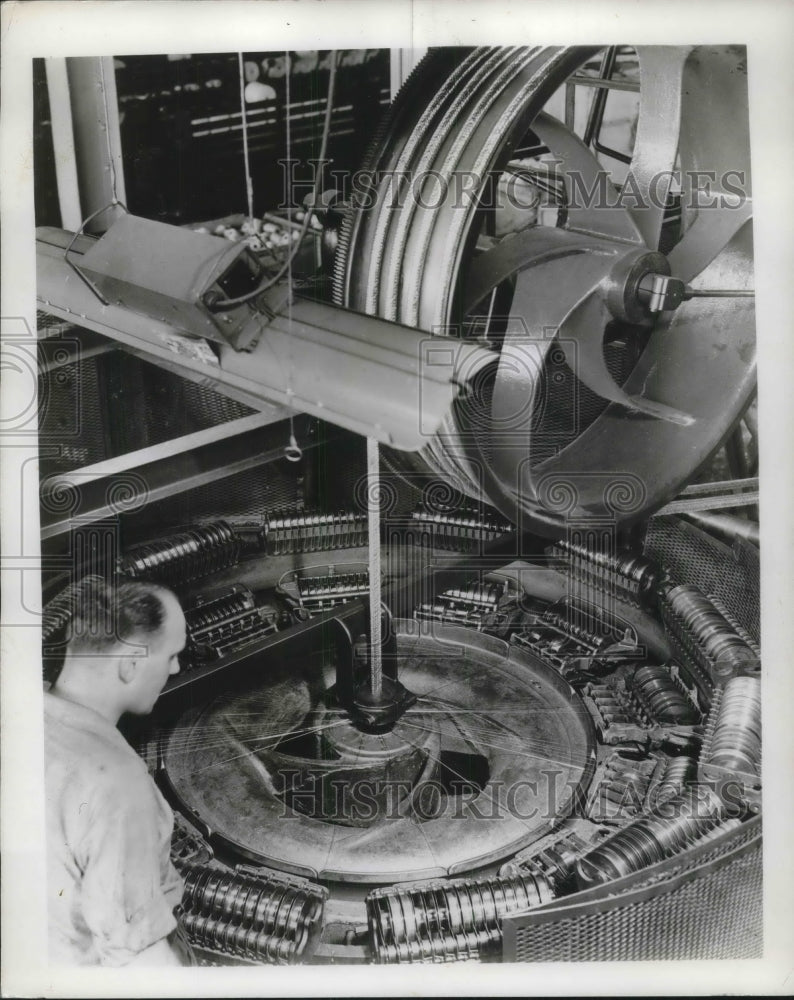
[41, 29]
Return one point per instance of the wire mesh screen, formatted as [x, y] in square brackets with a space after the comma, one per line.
[253, 492]
[103, 406]
[714, 911]
[207, 408]
[72, 427]
[175, 406]
[45, 321]
[691, 556]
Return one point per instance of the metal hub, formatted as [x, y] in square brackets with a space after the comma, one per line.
[622, 286]
[344, 740]
[379, 713]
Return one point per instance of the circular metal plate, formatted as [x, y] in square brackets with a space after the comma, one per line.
[492, 753]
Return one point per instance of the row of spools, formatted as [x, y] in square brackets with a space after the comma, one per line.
[442, 921]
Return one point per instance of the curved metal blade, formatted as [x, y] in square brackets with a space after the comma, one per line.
[539, 309]
[539, 312]
[658, 131]
[710, 233]
[581, 337]
[714, 145]
[701, 360]
[518, 253]
[593, 202]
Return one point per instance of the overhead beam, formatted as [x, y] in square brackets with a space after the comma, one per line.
[97, 137]
[362, 373]
[164, 473]
[63, 143]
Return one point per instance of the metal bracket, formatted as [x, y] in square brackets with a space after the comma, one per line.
[78, 271]
[353, 689]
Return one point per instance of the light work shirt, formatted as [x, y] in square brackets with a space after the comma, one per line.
[111, 886]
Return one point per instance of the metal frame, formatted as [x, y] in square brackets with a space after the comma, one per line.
[63, 143]
[163, 470]
[97, 135]
[665, 877]
[374, 378]
[403, 62]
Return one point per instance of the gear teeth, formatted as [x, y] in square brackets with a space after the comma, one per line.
[404, 96]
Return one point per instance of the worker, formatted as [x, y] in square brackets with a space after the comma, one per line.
[112, 889]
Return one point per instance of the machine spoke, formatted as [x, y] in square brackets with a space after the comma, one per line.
[517, 254]
[715, 93]
[707, 237]
[657, 139]
[538, 313]
[582, 339]
[593, 203]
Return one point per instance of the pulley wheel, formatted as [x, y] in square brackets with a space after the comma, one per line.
[601, 404]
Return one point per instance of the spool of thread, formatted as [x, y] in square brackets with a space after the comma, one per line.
[444, 921]
[670, 826]
[735, 742]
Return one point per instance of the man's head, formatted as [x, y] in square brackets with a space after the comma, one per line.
[123, 644]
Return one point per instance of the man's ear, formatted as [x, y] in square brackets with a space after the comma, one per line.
[128, 668]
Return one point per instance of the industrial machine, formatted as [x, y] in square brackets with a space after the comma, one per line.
[497, 696]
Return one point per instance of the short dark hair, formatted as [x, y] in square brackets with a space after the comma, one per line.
[104, 614]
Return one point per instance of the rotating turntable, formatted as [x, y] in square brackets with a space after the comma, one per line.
[489, 756]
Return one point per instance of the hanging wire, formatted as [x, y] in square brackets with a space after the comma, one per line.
[249, 187]
[292, 452]
[249, 296]
[373, 539]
